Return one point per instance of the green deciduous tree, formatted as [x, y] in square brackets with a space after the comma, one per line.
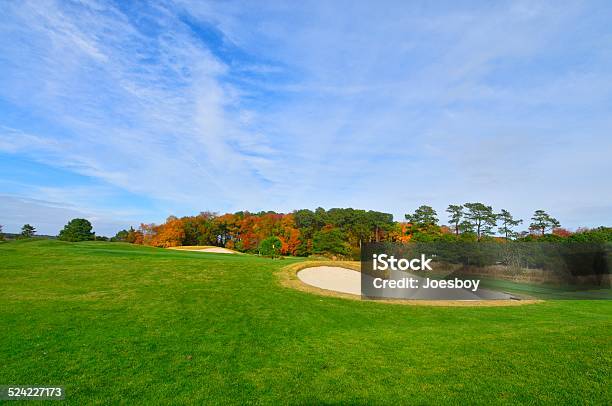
[77, 230]
[542, 221]
[270, 247]
[507, 224]
[330, 241]
[121, 236]
[597, 235]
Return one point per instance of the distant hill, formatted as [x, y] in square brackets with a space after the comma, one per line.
[14, 236]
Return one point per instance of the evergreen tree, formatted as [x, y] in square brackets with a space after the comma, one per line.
[77, 230]
[507, 224]
[27, 231]
[455, 217]
[423, 217]
[542, 222]
[479, 219]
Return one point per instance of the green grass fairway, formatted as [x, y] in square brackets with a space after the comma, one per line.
[116, 323]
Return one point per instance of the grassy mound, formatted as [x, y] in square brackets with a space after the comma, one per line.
[114, 322]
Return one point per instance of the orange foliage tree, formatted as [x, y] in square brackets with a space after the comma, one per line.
[289, 235]
[169, 234]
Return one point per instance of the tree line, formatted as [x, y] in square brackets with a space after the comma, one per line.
[337, 232]
[477, 221]
[342, 231]
[300, 233]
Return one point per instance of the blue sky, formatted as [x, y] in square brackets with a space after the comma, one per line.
[127, 112]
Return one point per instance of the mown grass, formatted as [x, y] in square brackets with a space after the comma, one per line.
[119, 323]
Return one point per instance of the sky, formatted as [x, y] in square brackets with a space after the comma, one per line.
[128, 112]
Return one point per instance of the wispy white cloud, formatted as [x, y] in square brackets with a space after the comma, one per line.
[289, 105]
[403, 104]
[150, 114]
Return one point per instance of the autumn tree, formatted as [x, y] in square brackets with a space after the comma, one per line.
[507, 224]
[289, 235]
[131, 236]
[249, 238]
[169, 234]
[400, 232]
[455, 216]
[562, 232]
[135, 236]
[227, 228]
[542, 222]
[148, 232]
[479, 219]
[207, 232]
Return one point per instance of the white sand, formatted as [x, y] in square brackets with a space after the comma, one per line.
[348, 281]
[216, 250]
[332, 278]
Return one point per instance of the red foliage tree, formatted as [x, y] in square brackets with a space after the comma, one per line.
[562, 232]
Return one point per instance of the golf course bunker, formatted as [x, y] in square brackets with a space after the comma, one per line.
[332, 278]
[345, 280]
[214, 250]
